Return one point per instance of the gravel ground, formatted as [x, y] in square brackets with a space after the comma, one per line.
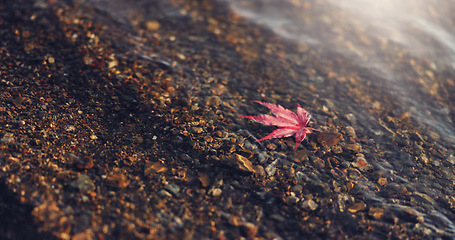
[119, 121]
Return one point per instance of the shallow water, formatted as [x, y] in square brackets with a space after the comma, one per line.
[403, 51]
[373, 35]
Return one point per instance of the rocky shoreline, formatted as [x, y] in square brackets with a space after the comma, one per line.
[125, 127]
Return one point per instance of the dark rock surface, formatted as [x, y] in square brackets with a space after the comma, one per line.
[119, 121]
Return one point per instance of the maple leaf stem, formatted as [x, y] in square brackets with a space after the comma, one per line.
[313, 129]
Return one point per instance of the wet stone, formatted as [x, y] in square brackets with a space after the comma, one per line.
[382, 181]
[338, 174]
[410, 213]
[208, 139]
[317, 162]
[154, 167]
[422, 198]
[12, 159]
[362, 164]
[350, 131]
[249, 146]
[83, 183]
[271, 168]
[216, 192]
[7, 138]
[293, 199]
[164, 193]
[186, 157]
[301, 177]
[297, 188]
[84, 163]
[204, 179]
[152, 25]
[69, 128]
[117, 180]
[353, 173]
[337, 149]
[197, 129]
[318, 186]
[351, 118]
[328, 139]
[221, 134]
[239, 162]
[354, 148]
[360, 206]
[173, 189]
[177, 140]
[309, 205]
[271, 146]
[259, 170]
[278, 217]
[300, 156]
[250, 230]
[213, 101]
[376, 213]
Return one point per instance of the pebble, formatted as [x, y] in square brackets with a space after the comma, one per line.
[350, 131]
[360, 206]
[154, 167]
[351, 118]
[177, 140]
[239, 162]
[117, 180]
[422, 197]
[83, 183]
[249, 146]
[301, 177]
[259, 170]
[278, 217]
[376, 213]
[362, 164]
[84, 163]
[355, 148]
[338, 174]
[382, 181]
[271, 146]
[197, 129]
[164, 193]
[354, 173]
[204, 179]
[7, 138]
[317, 162]
[216, 192]
[263, 157]
[173, 189]
[376, 105]
[213, 101]
[328, 139]
[152, 25]
[293, 199]
[309, 205]
[271, 168]
[69, 128]
[12, 159]
[345, 164]
[297, 188]
[250, 229]
[337, 149]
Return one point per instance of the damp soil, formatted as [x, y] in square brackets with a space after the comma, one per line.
[119, 121]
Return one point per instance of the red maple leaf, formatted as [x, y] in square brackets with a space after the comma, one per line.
[289, 122]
